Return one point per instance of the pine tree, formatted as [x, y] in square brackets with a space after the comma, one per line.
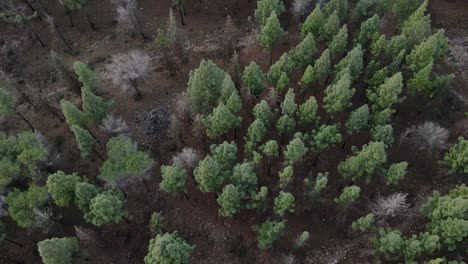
[457, 156]
[58, 250]
[285, 124]
[266, 7]
[432, 49]
[125, 162]
[313, 22]
[340, 6]
[322, 67]
[316, 187]
[402, 9]
[418, 26]
[396, 45]
[254, 78]
[220, 121]
[283, 83]
[262, 111]
[21, 205]
[84, 193]
[204, 86]
[270, 148]
[225, 155]
[173, 178]
[307, 78]
[284, 64]
[303, 54]
[424, 82]
[270, 33]
[364, 162]
[208, 175]
[325, 137]
[395, 173]
[382, 133]
[168, 248]
[86, 141]
[338, 96]
[295, 150]
[387, 94]
[94, 106]
[227, 88]
[73, 115]
[339, 42]
[289, 106]
[268, 233]
[330, 28]
[107, 207]
[285, 176]
[284, 203]
[308, 111]
[86, 76]
[7, 106]
[358, 119]
[369, 28]
[229, 200]
[348, 196]
[234, 102]
[255, 134]
[353, 61]
[363, 224]
[62, 187]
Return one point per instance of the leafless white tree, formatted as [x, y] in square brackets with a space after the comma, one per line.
[11, 7]
[271, 97]
[182, 109]
[43, 219]
[114, 125]
[300, 8]
[126, 68]
[288, 259]
[390, 206]
[429, 137]
[188, 157]
[128, 16]
[85, 235]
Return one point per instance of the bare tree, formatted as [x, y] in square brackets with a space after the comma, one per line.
[85, 235]
[128, 16]
[188, 157]
[114, 125]
[429, 137]
[288, 259]
[43, 219]
[182, 109]
[271, 97]
[126, 68]
[390, 206]
[55, 32]
[300, 8]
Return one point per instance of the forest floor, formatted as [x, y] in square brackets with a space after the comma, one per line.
[217, 240]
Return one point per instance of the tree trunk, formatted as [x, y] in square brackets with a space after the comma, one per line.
[25, 97]
[54, 112]
[94, 136]
[25, 120]
[316, 158]
[38, 38]
[70, 16]
[344, 144]
[148, 189]
[136, 88]
[98, 154]
[126, 219]
[91, 23]
[181, 17]
[32, 9]
[13, 242]
[62, 37]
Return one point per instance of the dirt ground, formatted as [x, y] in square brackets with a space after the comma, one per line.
[217, 239]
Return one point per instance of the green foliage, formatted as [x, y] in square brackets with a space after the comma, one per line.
[388, 242]
[268, 233]
[283, 82]
[364, 162]
[338, 96]
[295, 150]
[378, 44]
[173, 178]
[73, 5]
[431, 49]
[396, 45]
[255, 134]
[62, 187]
[234, 102]
[84, 193]
[204, 86]
[21, 205]
[325, 137]
[457, 156]
[86, 76]
[85, 140]
[107, 207]
[330, 28]
[366, 8]
[208, 175]
[58, 250]
[358, 119]
[308, 111]
[302, 239]
[286, 176]
[285, 124]
[353, 61]
[258, 199]
[284, 203]
[340, 6]
[227, 88]
[377, 79]
[157, 223]
[422, 81]
[289, 106]
[220, 121]
[266, 7]
[244, 178]
[168, 249]
[418, 26]
[315, 187]
[382, 117]
[339, 42]
[303, 54]
[270, 148]
[262, 111]
[94, 106]
[7, 102]
[307, 78]
[387, 94]
[382, 133]
[226, 156]
[402, 9]
[73, 116]
[19, 154]
[270, 33]
[253, 78]
[124, 161]
[369, 28]
[363, 223]
[16, 19]
[395, 173]
[229, 200]
[321, 68]
[313, 23]
[348, 196]
[283, 64]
